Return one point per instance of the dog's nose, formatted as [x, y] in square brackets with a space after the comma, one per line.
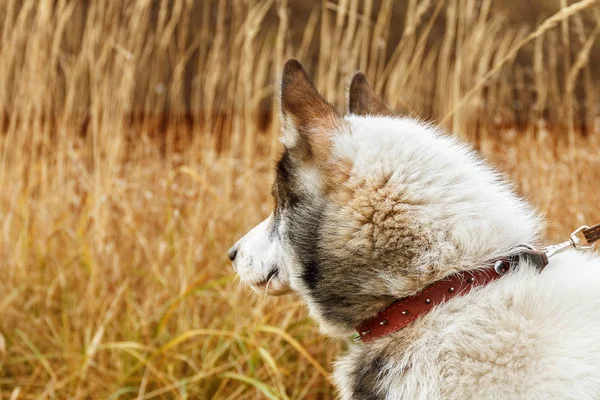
[232, 252]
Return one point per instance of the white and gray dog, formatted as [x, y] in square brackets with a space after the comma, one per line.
[371, 208]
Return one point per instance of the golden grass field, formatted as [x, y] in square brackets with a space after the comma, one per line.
[134, 151]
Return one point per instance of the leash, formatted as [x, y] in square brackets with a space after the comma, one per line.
[404, 311]
[591, 235]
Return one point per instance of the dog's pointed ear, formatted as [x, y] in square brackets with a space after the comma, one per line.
[362, 99]
[309, 122]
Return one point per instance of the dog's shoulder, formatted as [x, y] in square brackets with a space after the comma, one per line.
[527, 336]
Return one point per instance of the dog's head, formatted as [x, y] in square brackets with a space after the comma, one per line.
[371, 207]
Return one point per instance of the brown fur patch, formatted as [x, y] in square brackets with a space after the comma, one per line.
[336, 174]
[316, 121]
[314, 118]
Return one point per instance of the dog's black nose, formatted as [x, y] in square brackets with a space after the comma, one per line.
[232, 252]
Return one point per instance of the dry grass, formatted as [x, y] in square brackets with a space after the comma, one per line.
[121, 188]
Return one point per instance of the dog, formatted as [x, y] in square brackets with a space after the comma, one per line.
[373, 207]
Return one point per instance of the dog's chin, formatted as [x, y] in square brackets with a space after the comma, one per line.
[273, 288]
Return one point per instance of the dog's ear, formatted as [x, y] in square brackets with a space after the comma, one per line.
[362, 99]
[309, 122]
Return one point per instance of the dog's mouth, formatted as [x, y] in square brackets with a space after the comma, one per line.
[271, 284]
[271, 275]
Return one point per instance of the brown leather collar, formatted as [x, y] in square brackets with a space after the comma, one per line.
[402, 312]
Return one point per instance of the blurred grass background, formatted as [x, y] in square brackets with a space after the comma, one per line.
[137, 140]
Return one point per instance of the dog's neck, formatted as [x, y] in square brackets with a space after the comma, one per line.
[403, 312]
[392, 287]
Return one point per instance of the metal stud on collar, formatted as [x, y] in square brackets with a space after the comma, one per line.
[501, 267]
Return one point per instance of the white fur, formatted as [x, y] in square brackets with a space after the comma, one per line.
[427, 165]
[290, 134]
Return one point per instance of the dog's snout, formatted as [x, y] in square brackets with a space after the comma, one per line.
[232, 252]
